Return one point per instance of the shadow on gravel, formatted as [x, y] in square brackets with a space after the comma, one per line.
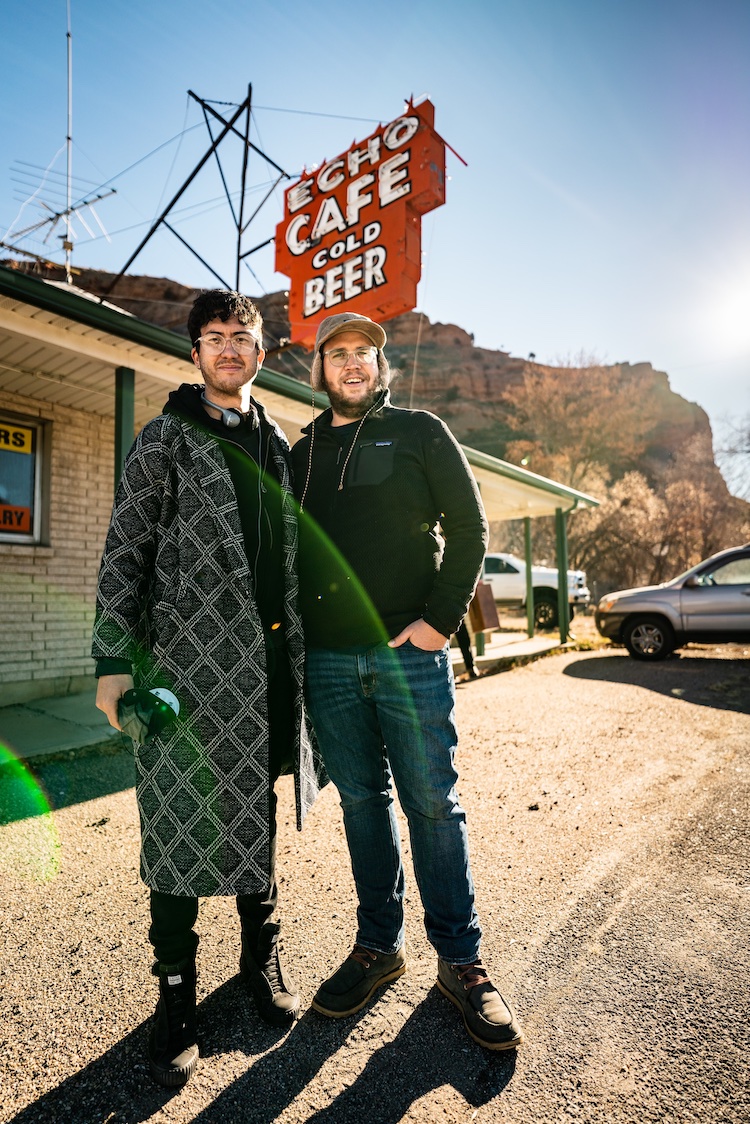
[720, 684]
[117, 1087]
[32, 789]
[100, 1090]
[430, 1051]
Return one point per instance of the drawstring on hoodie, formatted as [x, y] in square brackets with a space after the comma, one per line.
[351, 447]
[340, 488]
[309, 452]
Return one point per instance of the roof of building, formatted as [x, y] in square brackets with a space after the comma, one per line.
[62, 345]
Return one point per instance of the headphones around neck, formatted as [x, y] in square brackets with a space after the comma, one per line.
[230, 417]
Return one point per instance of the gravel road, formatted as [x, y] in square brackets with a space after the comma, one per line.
[608, 812]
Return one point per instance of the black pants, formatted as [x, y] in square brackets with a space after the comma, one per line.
[464, 643]
[173, 917]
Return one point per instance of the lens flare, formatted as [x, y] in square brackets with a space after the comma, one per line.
[340, 592]
[29, 843]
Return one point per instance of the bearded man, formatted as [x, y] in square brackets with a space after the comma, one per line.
[392, 539]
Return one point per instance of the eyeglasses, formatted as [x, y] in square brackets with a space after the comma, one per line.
[214, 343]
[339, 355]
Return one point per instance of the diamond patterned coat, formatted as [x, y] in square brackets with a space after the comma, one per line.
[175, 597]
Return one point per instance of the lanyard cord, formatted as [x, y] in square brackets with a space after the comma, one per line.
[362, 421]
[351, 447]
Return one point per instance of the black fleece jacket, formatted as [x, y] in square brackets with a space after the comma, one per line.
[401, 536]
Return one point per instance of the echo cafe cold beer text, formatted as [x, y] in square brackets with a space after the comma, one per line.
[351, 233]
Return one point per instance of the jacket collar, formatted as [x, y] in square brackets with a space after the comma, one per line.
[324, 420]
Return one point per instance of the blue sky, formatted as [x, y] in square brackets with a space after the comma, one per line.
[606, 202]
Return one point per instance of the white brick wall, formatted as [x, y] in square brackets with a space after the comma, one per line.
[47, 593]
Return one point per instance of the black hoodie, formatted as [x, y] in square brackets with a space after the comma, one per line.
[393, 527]
[247, 451]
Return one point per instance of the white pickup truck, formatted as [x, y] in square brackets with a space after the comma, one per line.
[507, 576]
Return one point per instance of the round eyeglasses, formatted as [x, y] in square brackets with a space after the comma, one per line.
[214, 343]
[339, 355]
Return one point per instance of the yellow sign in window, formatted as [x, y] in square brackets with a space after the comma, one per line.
[19, 450]
[16, 438]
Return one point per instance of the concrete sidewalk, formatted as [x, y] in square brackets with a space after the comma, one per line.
[44, 728]
[507, 649]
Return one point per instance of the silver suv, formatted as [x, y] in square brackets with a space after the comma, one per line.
[708, 604]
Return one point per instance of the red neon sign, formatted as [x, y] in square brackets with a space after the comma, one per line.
[350, 238]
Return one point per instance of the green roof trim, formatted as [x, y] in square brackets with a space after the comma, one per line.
[290, 388]
[478, 459]
[94, 313]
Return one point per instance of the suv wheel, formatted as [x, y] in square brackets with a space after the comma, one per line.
[545, 612]
[648, 638]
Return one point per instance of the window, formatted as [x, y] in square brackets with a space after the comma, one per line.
[498, 566]
[736, 572]
[21, 468]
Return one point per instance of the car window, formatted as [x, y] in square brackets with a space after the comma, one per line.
[507, 568]
[492, 565]
[736, 572]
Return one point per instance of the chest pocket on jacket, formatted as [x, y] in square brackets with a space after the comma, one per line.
[373, 462]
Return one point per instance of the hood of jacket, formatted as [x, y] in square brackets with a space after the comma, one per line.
[185, 403]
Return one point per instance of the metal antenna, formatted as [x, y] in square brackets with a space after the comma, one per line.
[228, 127]
[68, 240]
[54, 217]
[58, 213]
[243, 182]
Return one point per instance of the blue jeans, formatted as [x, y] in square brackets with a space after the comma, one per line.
[382, 716]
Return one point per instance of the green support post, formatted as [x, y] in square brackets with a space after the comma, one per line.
[563, 609]
[529, 581]
[124, 416]
[479, 636]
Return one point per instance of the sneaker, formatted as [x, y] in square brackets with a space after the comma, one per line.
[274, 993]
[351, 985]
[489, 1019]
[172, 1046]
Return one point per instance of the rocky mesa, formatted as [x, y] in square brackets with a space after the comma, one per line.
[439, 369]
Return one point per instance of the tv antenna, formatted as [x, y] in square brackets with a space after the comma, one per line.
[238, 125]
[70, 210]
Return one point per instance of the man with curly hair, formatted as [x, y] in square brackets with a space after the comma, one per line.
[198, 593]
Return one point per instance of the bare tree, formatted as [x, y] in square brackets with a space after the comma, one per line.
[639, 536]
[733, 454]
[579, 421]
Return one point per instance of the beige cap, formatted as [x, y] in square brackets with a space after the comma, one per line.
[349, 322]
[334, 326]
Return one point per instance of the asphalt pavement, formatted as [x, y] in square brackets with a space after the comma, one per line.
[48, 728]
[608, 806]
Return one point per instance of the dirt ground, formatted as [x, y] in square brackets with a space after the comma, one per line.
[608, 813]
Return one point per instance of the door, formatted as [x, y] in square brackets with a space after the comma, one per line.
[720, 602]
[508, 584]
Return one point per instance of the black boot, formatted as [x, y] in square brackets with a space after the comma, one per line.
[275, 994]
[172, 1047]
